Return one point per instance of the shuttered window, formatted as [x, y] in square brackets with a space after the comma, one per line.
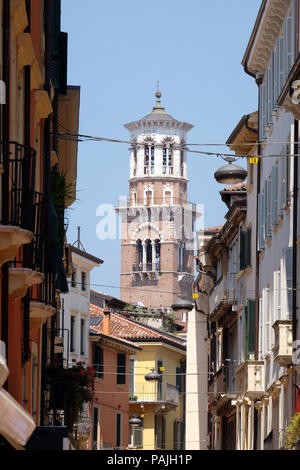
[261, 335]
[288, 45]
[267, 192]
[267, 321]
[249, 328]
[137, 436]
[287, 279]
[275, 206]
[245, 248]
[261, 222]
[242, 249]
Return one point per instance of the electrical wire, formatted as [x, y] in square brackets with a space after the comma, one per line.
[89, 138]
[173, 292]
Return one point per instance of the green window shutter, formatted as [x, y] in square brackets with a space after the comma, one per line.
[249, 328]
[242, 250]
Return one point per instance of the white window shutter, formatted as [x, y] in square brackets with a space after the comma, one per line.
[266, 322]
[274, 195]
[288, 264]
[267, 192]
[288, 171]
[288, 45]
[293, 30]
[277, 295]
[261, 222]
[261, 332]
[276, 72]
[282, 182]
[281, 63]
[270, 96]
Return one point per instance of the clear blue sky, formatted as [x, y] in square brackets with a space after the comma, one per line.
[116, 48]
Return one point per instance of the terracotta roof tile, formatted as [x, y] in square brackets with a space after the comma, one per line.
[125, 328]
[237, 187]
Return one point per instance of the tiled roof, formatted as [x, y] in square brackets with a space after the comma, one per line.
[213, 229]
[121, 327]
[237, 187]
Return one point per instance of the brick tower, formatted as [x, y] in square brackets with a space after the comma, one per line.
[157, 221]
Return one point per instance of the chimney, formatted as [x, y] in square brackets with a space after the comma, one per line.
[106, 322]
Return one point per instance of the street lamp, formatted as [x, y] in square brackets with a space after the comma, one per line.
[182, 306]
[230, 174]
[135, 421]
[153, 376]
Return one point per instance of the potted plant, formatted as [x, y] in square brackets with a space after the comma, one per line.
[292, 433]
[71, 387]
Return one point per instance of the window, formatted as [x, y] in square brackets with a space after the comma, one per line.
[95, 428]
[137, 436]
[72, 334]
[119, 430]
[219, 345]
[73, 279]
[131, 377]
[160, 432]
[82, 334]
[245, 249]
[121, 368]
[179, 379]
[83, 281]
[282, 60]
[249, 328]
[98, 361]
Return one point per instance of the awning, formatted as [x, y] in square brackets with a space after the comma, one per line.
[16, 424]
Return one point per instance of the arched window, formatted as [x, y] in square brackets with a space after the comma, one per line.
[149, 158]
[181, 260]
[167, 159]
[139, 251]
[146, 168]
[148, 255]
[157, 254]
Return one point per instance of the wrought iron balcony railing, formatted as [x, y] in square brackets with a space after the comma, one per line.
[18, 179]
[156, 392]
[140, 267]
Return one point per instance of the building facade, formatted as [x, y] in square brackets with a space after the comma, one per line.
[157, 220]
[33, 65]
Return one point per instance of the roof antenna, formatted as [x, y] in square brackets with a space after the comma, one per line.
[79, 244]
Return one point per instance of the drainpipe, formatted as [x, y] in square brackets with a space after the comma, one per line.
[295, 227]
[5, 181]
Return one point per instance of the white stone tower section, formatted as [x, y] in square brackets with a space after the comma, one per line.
[157, 220]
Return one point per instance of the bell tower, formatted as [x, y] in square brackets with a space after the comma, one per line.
[157, 265]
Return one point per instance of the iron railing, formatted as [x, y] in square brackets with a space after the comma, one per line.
[140, 267]
[18, 180]
[156, 392]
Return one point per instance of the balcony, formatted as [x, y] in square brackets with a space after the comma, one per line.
[142, 271]
[17, 165]
[283, 348]
[159, 396]
[250, 379]
[222, 297]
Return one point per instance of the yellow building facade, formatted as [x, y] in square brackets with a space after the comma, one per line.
[159, 404]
